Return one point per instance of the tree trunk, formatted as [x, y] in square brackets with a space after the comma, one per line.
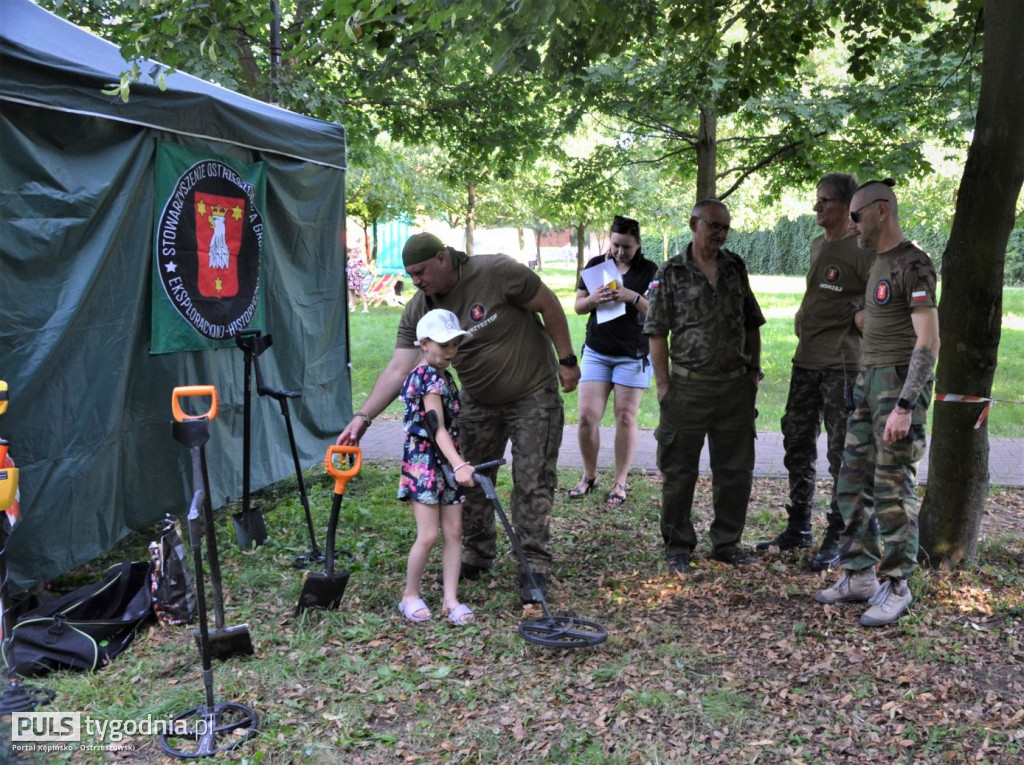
[373, 255]
[970, 312]
[707, 154]
[581, 238]
[470, 215]
[536, 242]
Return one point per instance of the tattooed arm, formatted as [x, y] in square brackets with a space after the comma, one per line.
[922, 363]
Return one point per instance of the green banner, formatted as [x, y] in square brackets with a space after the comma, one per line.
[208, 224]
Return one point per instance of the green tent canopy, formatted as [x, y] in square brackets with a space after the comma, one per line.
[89, 418]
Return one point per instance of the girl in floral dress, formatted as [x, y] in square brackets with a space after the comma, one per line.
[435, 503]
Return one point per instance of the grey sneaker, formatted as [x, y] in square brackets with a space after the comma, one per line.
[888, 604]
[853, 586]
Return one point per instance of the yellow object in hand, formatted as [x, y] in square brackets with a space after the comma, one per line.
[613, 285]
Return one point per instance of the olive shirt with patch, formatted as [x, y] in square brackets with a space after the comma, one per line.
[836, 280]
[708, 325]
[900, 280]
[508, 354]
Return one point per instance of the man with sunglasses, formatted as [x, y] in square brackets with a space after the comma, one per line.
[826, 362]
[703, 323]
[886, 431]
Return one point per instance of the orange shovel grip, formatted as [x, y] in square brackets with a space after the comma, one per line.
[187, 391]
[341, 476]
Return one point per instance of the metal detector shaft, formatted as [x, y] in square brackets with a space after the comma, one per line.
[195, 537]
[487, 485]
[282, 397]
[201, 489]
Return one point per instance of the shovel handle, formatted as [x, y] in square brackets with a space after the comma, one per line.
[188, 391]
[341, 476]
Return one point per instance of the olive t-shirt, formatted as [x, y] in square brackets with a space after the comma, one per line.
[901, 280]
[836, 280]
[508, 354]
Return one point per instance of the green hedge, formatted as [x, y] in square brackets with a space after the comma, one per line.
[784, 249]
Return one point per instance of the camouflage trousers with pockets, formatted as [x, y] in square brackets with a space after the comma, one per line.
[534, 426]
[877, 487]
[724, 413]
[815, 396]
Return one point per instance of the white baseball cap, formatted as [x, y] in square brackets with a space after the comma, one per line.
[439, 325]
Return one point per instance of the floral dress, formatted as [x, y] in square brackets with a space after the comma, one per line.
[422, 478]
[355, 271]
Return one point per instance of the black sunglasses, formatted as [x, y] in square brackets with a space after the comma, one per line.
[855, 215]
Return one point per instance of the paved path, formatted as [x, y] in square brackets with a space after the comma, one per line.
[383, 441]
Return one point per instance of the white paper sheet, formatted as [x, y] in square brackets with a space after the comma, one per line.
[596, 277]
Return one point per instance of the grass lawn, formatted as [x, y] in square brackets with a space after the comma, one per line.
[373, 338]
[723, 666]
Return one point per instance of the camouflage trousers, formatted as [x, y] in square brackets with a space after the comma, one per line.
[877, 487]
[814, 396]
[534, 426]
[724, 413]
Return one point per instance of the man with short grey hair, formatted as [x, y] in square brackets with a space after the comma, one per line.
[705, 339]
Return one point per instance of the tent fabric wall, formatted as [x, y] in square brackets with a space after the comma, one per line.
[89, 415]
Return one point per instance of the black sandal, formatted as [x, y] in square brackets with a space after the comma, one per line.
[584, 487]
[617, 495]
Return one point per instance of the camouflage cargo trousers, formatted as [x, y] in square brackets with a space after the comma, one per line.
[723, 412]
[815, 396]
[877, 487]
[534, 426]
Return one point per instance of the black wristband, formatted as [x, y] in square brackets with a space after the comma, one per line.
[637, 298]
[902, 403]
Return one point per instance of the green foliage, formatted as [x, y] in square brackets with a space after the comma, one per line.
[1014, 273]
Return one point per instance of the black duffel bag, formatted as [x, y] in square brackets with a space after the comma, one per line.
[84, 629]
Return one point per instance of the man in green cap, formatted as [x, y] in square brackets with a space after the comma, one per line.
[510, 377]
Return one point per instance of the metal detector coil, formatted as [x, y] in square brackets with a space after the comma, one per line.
[551, 631]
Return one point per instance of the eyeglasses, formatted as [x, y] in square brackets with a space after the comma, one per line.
[855, 215]
[825, 200]
[715, 225]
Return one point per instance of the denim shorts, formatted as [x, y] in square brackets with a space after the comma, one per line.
[618, 370]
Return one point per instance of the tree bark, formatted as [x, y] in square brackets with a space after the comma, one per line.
[707, 154]
[970, 312]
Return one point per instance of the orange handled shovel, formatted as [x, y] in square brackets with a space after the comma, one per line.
[193, 431]
[325, 590]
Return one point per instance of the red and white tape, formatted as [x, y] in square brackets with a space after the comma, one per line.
[956, 398]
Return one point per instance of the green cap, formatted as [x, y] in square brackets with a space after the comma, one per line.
[421, 247]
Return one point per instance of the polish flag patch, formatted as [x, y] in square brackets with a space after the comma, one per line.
[918, 297]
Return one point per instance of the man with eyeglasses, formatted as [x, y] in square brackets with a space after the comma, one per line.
[886, 431]
[826, 362]
[705, 343]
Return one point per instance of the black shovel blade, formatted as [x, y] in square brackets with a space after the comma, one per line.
[250, 529]
[322, 590]
[227, 642]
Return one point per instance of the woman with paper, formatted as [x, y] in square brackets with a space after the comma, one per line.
[613, 289]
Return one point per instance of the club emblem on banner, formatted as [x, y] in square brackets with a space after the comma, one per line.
[208, 249]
